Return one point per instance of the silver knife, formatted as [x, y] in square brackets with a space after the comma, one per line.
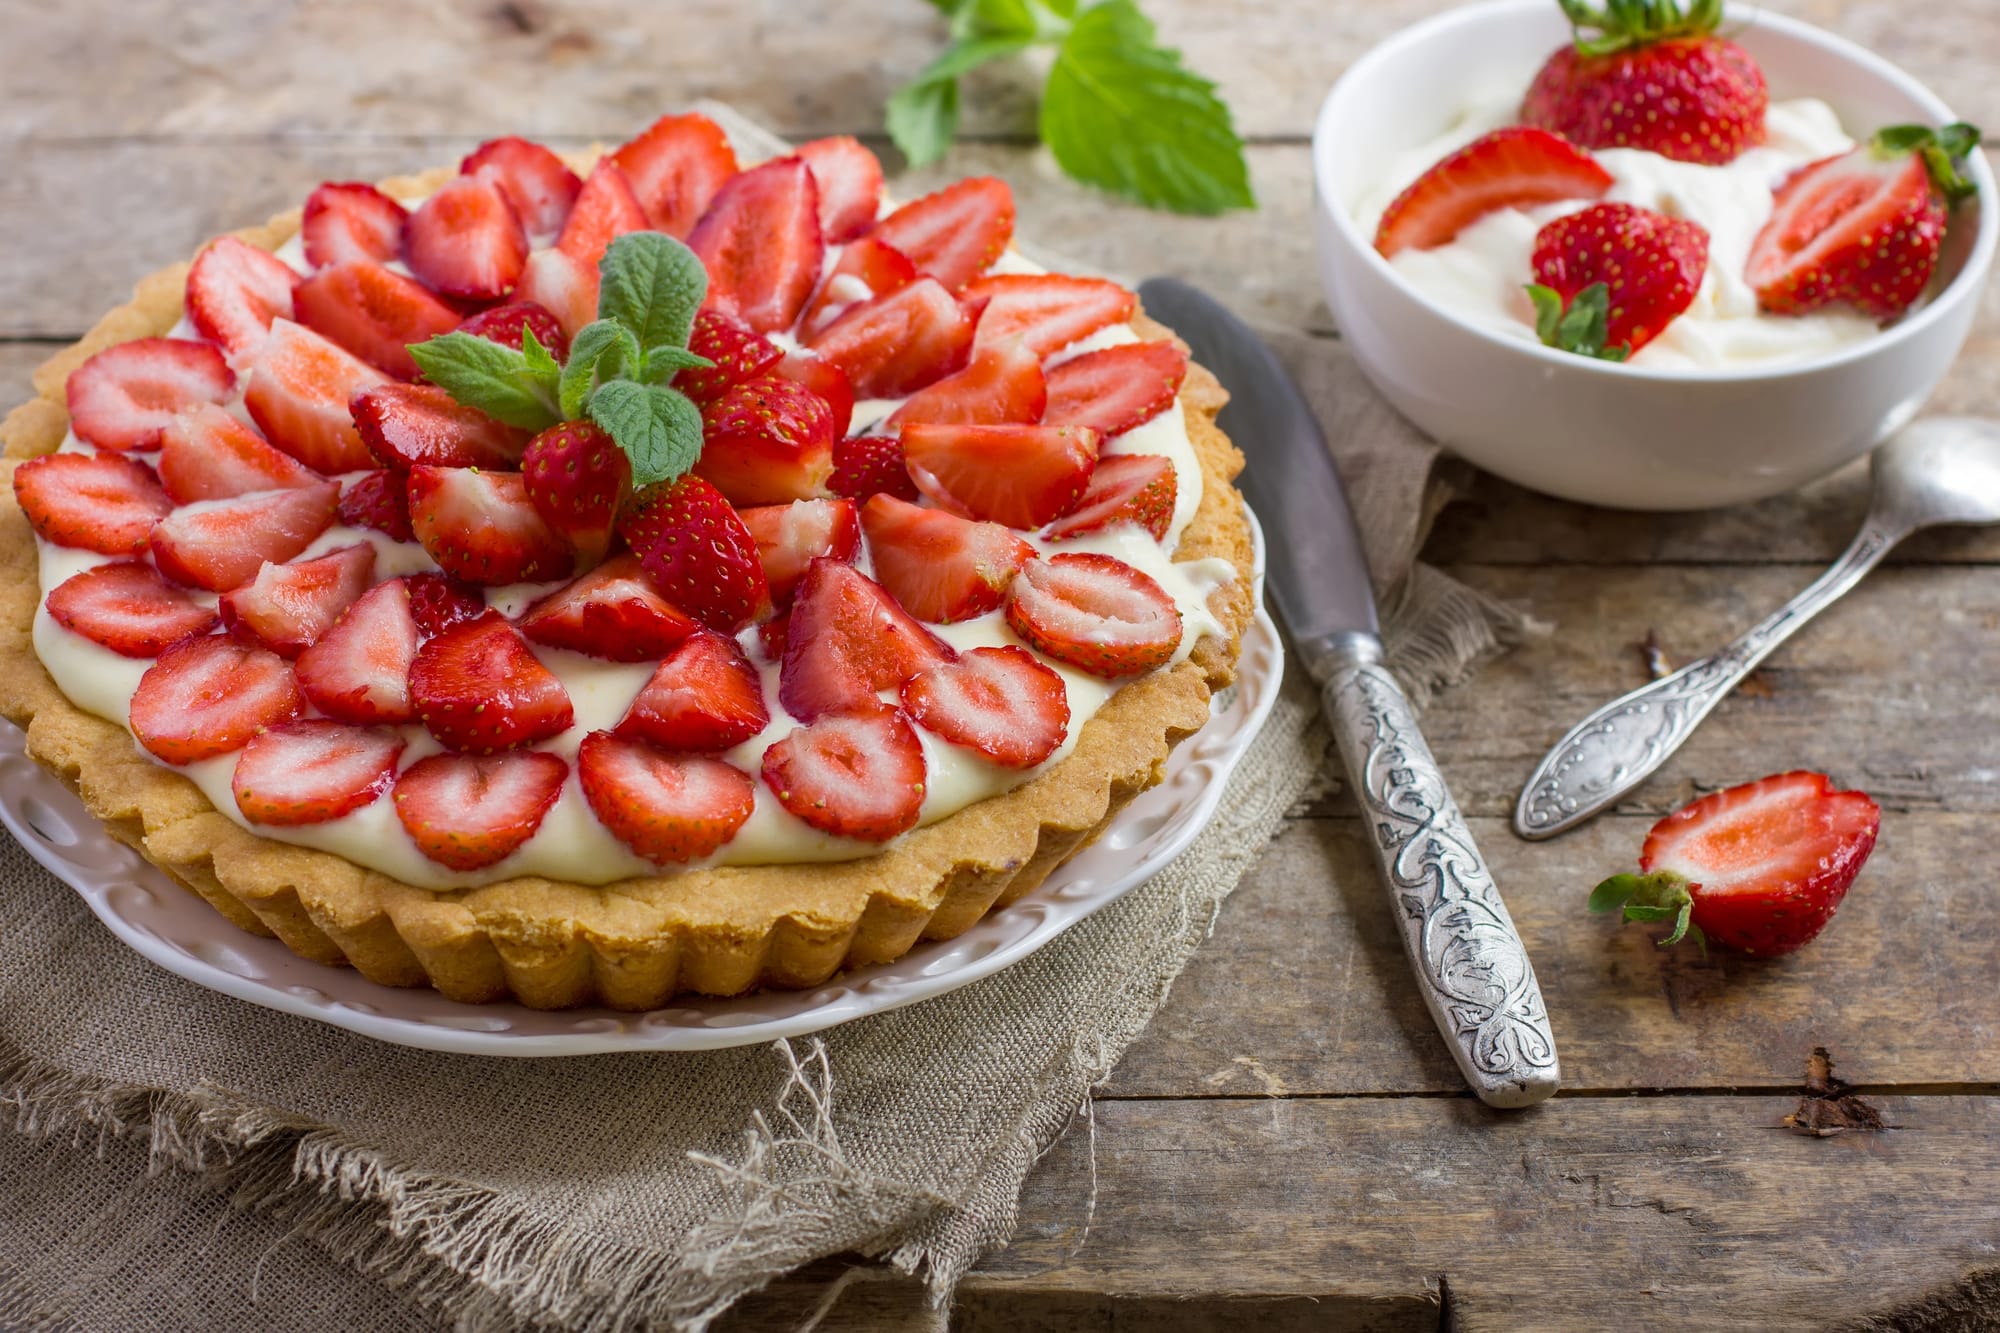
[1468, 957]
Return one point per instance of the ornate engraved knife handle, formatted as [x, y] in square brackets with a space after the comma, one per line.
[1622, 744]
[1468, 958]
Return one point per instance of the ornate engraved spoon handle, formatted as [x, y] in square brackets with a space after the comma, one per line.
[1469, 960]
[1621, 744]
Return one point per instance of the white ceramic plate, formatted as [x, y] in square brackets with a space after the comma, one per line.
[177, 930]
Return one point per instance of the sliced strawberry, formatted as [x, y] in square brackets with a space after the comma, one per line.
[359, 670]
[865, 465]
[854, 776]
[128, 608]
[704, 698]
[849, 179]
[207, 454]
[578, 479]
[1125, 488]
[123, 397]
[760, 242]
[209, 695]
[467, 241]
[349, 222]
[938, 566]
[478, 688]
[1516, 167]
[312, 771]
[1116, 389]
[771, 636]
[955, 234]
[892, 345]
[503, 324]
[562, 285]
[604, 211]
[1004, 383]
[1047, 311]
[297, 392]
[468, 813]
[221, 544]
[1022, 476]
[481, 527]
[439, 601]
[373, 312]
[998, 701]
[234, 291]
[379, 500]
[675, 168]
[866, 269]
[847, 640]
[613, 612]
[407, 424]
[539, 185]
[791, 536]
[738, 353]
[767, 441]
[697, 552]
[1096, 613]
[286, 608]
[1863, 227]
[669, 808]
[825, 379]
[94, 502]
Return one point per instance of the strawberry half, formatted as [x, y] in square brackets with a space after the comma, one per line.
[379, 500]
[760, 242]
[1047, 311]
[359, 671]
[467, 241]
[1096, 613]
[351, 222]
[405, 425]
[955, 234]
[675, 168]
[234, 291]
[221, 545]
[562, 285]
[1759, 868]
[669, 808]
[313, 771]
[209, 695]
[469, 812]
[297, 392]
[286, 608]
[373, 312]
[1517, 167]
[504, 324]
[605, 210]
[439, 601]
[791, 536]
[1022, 476]
[539, 185]
[1116, 389]
[767, 441]
[866, 268]
[697, 552]
[1004, 383]
[123, 397]
[1651, 266]
[704, 698]
[739, 354]
[478, 688]
[849, 178]
[848, 639]
[93, 502]
[1125, 488]
[865, 465]
[940, 567]
[578, 479]
[480, 526]
[891, 346]
[207, 454]
[127, 607]
[998, 701]
[613, 612]
[853, 776]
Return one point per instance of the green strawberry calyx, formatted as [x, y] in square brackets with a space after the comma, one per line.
[1621, 25]
[1659, 895]
[1941, 149]
[1581, 327]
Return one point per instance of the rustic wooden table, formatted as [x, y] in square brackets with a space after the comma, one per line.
[1289, 1143]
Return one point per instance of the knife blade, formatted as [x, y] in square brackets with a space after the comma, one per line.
[1468, 958]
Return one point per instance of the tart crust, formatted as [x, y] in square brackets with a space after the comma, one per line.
[635, 944]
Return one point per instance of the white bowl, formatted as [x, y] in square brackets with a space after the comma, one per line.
[1599, 431]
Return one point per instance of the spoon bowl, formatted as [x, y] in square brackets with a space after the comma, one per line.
[1938, 470]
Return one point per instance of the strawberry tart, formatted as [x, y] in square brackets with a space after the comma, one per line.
[592, 580]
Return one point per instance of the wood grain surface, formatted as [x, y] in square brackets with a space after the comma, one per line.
[1287, 1146]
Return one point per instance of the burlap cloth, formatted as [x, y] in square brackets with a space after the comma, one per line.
[186, 1160]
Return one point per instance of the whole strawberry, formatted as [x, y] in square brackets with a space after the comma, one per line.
[1634, 269]
[1758, 868]
[577, 478]
[1653, 76]
[699, 554]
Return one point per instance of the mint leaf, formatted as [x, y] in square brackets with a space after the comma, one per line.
[603, 350]
[1122, 113]
[922, 117]
[652, 284]
[544, 371]
[663, 362]
[658, 428]
[485, 375]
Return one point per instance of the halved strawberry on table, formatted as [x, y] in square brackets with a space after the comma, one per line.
[221, 544]
[539, 185]
[791, 536]
[849, 178]
[298, 389]
[94, 502]
[892, 345]
[349, 221]
[1020, 476]
[207, 454]
[675, 167]
[561, 284]
[405, 425]
[604, 210]
[998, 701]
[696, 550]
[760, 242]
[313, 771]
[865, 465]
[127, 607]
[669, 808]
[1116, 389]
[126, 395]
[1124, 488]
[704, 697]
[853, 775]
[467, 241]
[210, 695]
[468, 812]
[478, 688]
[1004, 383]
[481, 526]
[848, 639]
[1648, 265]
[373, 312]
[1095, 613]
[378, 500]
[504, 324]
[767, 441]
[359, 670]
[866, 268]
[1516, 167]
[614, 612]
[234, 292]
[578, 480]
[940, 567]
[1047, 311]
[286, 608]
[955, 234]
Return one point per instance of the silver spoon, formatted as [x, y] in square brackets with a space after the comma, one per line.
[1939, 470]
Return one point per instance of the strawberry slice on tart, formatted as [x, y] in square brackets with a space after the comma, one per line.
[1003, 383]
[738, 352]
[998, 701]
[675, 168]
[867, 268]
[853, 775]
[127, 607]
[669, 808]
[561, 284]
[613, 612]
[767, 441]
[1116, 389]
[1516, 167]
[359, 670]
[373, 312]
[846, 640]
[298, 389]
[760, 242]
[405, 425]
[865, 465]
[286, 608]
[955, 234]
[1020, 476]
[126, 395]
[235, 291]
[378, 500]
[696, 550]
[210, 695]
[849, 182]
[892, 345]
[468, 812]
[506, 324]
[478, 688]
[1095, 613]
[1047, 311]
[439, 601]
[704, 697]
[313, 771]
[94, 502]
[539, 185]
[467, 241]
[791, 536]
[481, 527]
[207, 454]
[351, 222]
[604, 210]
[1124, 488]
[940, 567]
[578, 479]
[221, 544]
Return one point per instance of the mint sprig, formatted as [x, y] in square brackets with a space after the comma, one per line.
[1582, 327]
[1119, 110]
